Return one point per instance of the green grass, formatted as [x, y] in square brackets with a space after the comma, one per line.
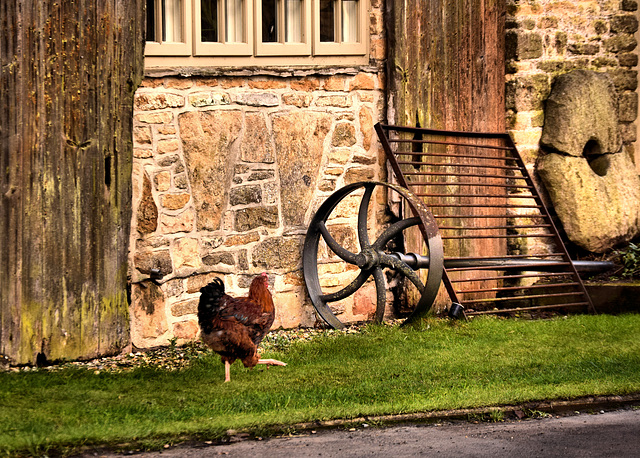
[381, 370]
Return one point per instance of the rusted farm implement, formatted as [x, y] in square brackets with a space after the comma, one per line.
[464, 193]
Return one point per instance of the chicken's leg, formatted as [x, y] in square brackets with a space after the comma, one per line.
[227, 371]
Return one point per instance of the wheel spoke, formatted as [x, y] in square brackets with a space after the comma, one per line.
[349, 289]
[403, 268]
[394, 230]
[363, 233]
[381, 295]
[342, 253]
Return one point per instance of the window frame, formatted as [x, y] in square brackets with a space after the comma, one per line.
[311, 52]
[169, 49]
[337, 47]
[282, 48]
[222, 48]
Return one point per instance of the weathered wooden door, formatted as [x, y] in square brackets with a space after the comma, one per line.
[446, 61]
[446, 71]
[69, 71]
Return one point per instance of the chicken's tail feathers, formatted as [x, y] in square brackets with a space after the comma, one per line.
[215, 288]
[209, 304]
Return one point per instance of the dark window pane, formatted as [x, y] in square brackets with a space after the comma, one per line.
[269, 21]
[327, 20]
[151, 20]
[209, 20]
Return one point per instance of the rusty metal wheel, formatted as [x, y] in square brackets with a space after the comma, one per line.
[368, 259]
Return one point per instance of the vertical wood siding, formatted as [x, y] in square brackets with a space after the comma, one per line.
[446, 71]
[446, 62]
[69, 71]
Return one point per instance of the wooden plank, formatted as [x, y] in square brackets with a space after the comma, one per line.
[446, 64]
[70, 70]
[446, 71]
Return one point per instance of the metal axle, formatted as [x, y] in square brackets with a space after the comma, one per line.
[417, 261]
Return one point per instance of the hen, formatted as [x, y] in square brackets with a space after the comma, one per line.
[233, 327]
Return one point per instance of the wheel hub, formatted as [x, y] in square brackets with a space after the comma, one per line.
[367, 259]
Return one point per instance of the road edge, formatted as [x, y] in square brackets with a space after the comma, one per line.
[517, 411]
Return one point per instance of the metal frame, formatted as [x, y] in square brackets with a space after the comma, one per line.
[485, 166]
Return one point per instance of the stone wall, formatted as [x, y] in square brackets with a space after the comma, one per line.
[546, 38]
[228, 171]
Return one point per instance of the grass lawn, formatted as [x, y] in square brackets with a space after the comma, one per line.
[380, 370]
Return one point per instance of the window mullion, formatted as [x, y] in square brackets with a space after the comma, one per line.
[338, 24]
[222, 23]
[281, 22]
[159, 22]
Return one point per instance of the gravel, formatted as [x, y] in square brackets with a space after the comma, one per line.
[175, 357]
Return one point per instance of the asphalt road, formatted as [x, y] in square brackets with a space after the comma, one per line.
[605, 434]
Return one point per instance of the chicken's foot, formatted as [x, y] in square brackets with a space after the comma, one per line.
[271, 362]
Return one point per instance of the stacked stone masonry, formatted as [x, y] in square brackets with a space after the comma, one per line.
[229, 167]
[547, 38]
[227, 174]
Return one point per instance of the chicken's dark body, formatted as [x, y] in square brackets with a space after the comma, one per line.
[233, 327]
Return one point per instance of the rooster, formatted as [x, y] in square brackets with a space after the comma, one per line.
[233, 327]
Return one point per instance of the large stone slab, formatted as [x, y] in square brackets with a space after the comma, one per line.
[299, 139]
[593, 185]
[149, 320]
[256, 143]
[581, 110]
[208, 139]
[278, 253]
[147, 210]
[597, 212]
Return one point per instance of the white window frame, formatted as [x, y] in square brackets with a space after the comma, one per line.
[282, 48]
[220, 48]
[160, 48]
[337, 47]
[252, 51]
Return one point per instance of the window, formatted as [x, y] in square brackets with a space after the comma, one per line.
[283, 27]
[338, 23]
[230, 32]
[227, 37]
[168, 31]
